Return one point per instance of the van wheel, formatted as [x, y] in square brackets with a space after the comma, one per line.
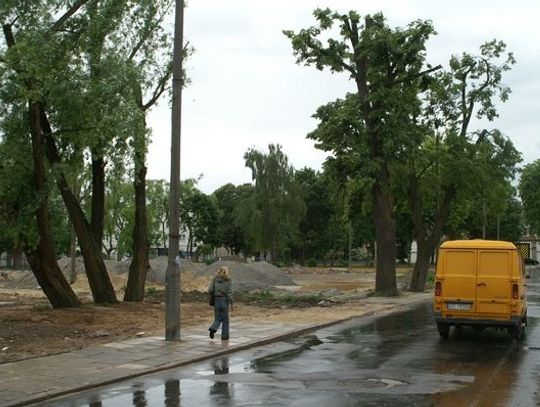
[444, 329]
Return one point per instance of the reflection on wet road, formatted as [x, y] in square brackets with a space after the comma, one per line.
[397, 359]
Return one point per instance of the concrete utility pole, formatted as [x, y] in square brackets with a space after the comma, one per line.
[172, 278]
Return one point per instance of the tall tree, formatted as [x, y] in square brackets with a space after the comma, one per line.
[58, 115]
[35, 51]
[315, 228]
[228, 200]
[158, 212]
[342, 133]
[386, 65]
[277, 205]
[454, 153]
[529, 191]
[24, 210]
[199, 216]
[149, 46]
[119, 217]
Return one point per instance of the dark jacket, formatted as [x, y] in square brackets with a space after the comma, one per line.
[221, 287]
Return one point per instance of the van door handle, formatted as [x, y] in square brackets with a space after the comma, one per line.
[481, 284]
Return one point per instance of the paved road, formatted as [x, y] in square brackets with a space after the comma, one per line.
[398, 359]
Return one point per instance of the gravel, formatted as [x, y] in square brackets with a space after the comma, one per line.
[253, 276]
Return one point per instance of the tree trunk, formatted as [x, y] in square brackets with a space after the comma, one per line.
[50, 277]
[423, 256]
[427, 240]
[385, 233]
[73, 253]
[17, 259]
[42, 259]
[385, 225]
[98, 278]
[140, 263]
[98, 197]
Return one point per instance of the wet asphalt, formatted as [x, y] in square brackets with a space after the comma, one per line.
[392, 360]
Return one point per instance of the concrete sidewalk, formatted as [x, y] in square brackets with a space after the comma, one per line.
[33, 380]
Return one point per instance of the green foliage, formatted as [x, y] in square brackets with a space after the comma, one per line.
[317, 226]
[119, 217]
[229, 200]
[276, 206]
[91, 75]
[406, 129]
[157, 195]
[205, 251]
[529, 191]
[198, 214]
[311, 262]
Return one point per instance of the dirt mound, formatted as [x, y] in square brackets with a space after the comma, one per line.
[158, 268]
[254, 276]
[194, 276]
[18, 280]
[113, 266]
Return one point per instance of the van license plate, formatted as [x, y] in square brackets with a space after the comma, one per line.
[458, 306]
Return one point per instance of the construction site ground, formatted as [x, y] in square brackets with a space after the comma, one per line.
[29, 327]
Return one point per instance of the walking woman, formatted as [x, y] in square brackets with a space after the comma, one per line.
[220, 291]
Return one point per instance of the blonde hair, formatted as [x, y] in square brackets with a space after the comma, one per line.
[223, 272]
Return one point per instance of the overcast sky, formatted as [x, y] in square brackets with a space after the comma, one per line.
[246, 90]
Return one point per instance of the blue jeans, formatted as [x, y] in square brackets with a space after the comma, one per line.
[221, 316]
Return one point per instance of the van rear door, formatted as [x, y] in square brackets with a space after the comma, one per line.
[494, 286]
[459, 280]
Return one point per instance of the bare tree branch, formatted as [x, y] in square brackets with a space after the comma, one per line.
[60, 22]
[161, 86]
[8, 34]
[348, 68]
[158, 91]
[144, 37]
[419, 74]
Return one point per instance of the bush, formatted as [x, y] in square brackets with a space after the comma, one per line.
[311, 262]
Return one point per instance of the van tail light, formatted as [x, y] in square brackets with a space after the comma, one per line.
[515, 291]
[438, 289]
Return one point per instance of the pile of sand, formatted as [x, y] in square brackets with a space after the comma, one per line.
[113, 266]
[254, 276]
[18, 280]
[194, 276]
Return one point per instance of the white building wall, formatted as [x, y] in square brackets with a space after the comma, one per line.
[413, 253]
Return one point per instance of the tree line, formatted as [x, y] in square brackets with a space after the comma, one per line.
[407, 157]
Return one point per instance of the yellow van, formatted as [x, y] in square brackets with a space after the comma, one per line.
[480, 283]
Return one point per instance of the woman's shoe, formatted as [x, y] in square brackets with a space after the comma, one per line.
[212, 332]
